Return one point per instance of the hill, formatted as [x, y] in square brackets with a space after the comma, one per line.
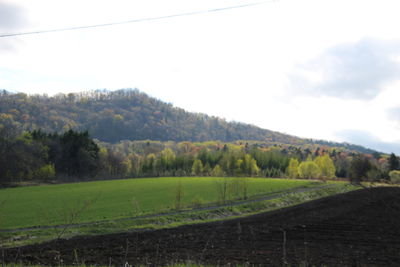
[129, 114]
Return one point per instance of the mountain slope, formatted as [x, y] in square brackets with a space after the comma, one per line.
[130, 115]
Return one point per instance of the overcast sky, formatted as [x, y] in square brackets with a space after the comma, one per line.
[317, 69]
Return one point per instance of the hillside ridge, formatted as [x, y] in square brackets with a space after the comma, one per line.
[129, 114]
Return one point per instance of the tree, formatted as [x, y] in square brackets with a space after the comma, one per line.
[79, 156]
[167, 159]
[342, 166]
[148, 167]
[222, 187]
[207, 169]
[217, 171]
[309, 170]
[373, 174]
[359, 168]
[21, 157]
[239, 167]
[326, 166]
[293, 168]
[179, 192]
[394, 163]
[250, 165]
[197, 168]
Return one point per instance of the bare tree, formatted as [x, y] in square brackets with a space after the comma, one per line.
[179, 192]
[222, 187]
[70, 215]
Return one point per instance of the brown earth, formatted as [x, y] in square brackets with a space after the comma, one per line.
[359, 228]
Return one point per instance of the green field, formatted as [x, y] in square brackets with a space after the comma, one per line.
[113, 199]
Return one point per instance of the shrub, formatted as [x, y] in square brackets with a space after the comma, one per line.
[46, 172]
[394, 176]
[197, 202]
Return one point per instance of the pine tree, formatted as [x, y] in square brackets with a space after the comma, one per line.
[394, 163]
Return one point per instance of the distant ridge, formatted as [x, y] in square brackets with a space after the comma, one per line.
[128, 114]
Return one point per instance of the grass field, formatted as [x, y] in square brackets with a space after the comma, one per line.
[113, 199]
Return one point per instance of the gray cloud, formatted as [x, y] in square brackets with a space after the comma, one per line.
[368, 140]
[356, 70]
[11, 17]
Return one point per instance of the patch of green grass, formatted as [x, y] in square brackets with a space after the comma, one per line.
[113, 199]
[168, 221]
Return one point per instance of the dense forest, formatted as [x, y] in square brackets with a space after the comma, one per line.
[131, 115]
[121, 134]
[75, 156]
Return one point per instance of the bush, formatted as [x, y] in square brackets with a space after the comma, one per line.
[197, 202]
[46, 172]
[394, 177]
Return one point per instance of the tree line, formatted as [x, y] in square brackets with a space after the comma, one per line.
[75, 155]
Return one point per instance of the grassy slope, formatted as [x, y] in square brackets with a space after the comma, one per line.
[45, 205]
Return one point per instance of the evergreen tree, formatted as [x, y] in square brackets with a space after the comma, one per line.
[394, 163]
[80, 154]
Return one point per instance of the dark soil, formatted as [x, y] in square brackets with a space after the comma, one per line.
[360, 228]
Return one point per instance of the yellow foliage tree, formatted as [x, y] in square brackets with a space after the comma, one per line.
[309, 170]
[326, 166]
[293, 168]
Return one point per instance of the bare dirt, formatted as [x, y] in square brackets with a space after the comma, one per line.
[360, 228]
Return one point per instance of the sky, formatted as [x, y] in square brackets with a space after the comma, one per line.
[316, 69]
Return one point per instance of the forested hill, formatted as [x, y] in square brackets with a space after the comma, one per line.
[130, 115]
